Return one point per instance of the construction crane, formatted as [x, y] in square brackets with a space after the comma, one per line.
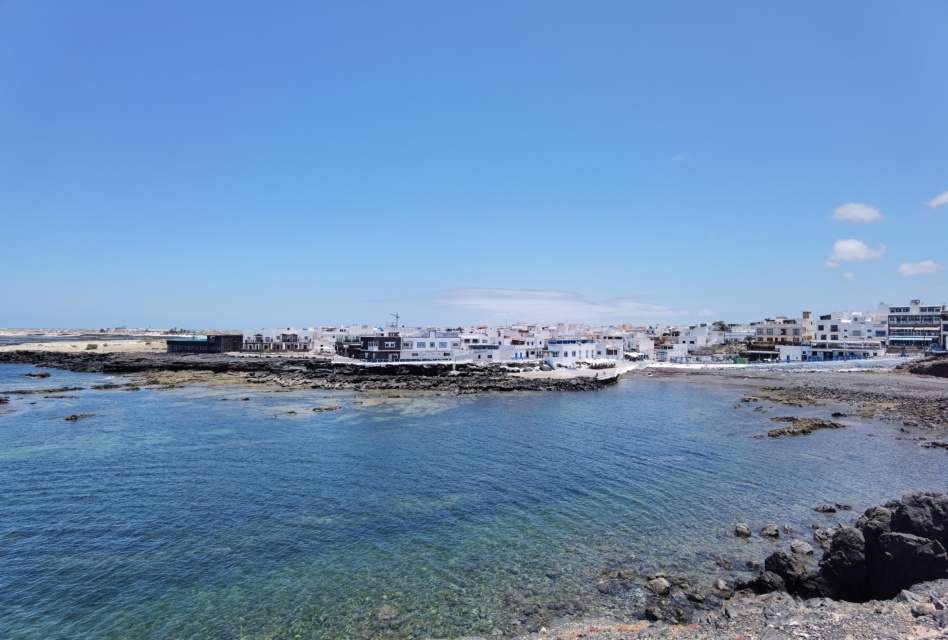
[395, 315]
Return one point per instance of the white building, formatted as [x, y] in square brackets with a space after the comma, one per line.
[432, 345]
[820, 350]
[569, 351]
[278, 340]
[915, 325]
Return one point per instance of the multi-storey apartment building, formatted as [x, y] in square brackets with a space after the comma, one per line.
[782, 330]
[915, 325]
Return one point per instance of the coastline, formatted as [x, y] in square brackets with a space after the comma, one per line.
[914, 407]
[156, 368]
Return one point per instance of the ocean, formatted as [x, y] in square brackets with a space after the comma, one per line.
[195, 513]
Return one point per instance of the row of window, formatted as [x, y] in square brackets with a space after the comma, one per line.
[420, 344]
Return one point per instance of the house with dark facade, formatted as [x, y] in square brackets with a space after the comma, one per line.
[374, 348]
[210, 343]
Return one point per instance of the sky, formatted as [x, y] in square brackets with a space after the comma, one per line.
[248, 164]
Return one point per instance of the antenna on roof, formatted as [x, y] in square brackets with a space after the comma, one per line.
[396, 319]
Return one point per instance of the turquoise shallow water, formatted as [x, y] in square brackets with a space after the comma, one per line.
[191, 513]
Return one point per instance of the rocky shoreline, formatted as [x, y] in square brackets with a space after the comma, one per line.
[287, 373]
[884, 577]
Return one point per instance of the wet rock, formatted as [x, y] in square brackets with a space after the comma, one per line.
[386, 617]
[770, 531]
[842, 506]
[801, 426]
[766, 582]
[742, 530]
[677, 609]
[825, 508]
[659, 586]
[39, 374]
[790, 570]
[824, 537]
[78, 416]
[801, 548]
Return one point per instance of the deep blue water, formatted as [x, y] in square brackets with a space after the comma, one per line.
[175, 513]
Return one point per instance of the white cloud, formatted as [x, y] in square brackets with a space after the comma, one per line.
[938, 200]
[918, 268]
[851, 250]
[515, 305]
[849, 275]
[707, 313]
[857, 212]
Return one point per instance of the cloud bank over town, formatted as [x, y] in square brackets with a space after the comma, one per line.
[527, 305]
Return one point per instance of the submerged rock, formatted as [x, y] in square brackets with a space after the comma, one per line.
[802, 426]
[78, 416]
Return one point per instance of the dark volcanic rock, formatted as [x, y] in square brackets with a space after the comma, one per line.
[313, 373]
[802, 426]
[78, 416]
[40, 374]
[890, 548]
[923, 514]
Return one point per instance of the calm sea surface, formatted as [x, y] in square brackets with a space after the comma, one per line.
[192, 513]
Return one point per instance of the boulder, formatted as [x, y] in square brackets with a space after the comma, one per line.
[742, 530]
[845, 563]
[906, 560]
[770, 531]
[824, 537]
[659, 586]
[924, 515]
[802, 548]
[791, 571]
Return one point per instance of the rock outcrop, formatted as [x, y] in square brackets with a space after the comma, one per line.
[889, 549]
[309, 373]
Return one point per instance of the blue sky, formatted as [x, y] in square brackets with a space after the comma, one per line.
[228, 164]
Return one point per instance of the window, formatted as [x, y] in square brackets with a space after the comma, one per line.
[389, 344]
[447, 354]
[455, 345]
[796, 332]
[406, 345]
[770, 332]
[834, 337]
[820, 327]
[443, 345]
[834, 327]
[414, 355]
